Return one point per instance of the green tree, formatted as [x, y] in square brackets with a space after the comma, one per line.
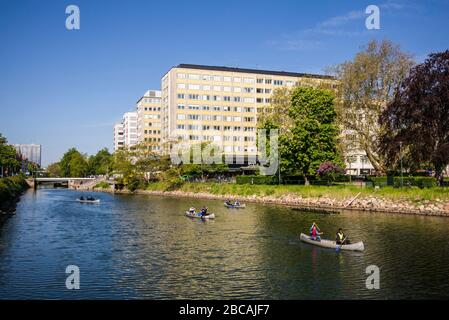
[100, 163]
[9, 160]
[54, 170]
[312, 139]
[366, 85]
[73, 164]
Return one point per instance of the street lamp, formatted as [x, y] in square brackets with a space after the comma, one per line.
[400, 154]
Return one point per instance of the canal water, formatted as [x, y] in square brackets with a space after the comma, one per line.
[134, 247]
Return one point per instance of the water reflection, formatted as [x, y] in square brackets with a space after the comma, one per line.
[144, 247]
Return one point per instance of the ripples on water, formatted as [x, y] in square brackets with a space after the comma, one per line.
[144, 247]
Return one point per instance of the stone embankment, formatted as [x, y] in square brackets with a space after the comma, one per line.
[361, 203]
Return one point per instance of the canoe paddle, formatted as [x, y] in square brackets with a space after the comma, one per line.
[338, 248]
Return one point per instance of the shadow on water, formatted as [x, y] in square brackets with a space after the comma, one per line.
[144, 247]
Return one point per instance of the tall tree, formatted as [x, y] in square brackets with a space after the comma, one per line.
[100, 163]
[418, 116]
[312, 139]
[366, 85]
[9, 159]
[73, 164]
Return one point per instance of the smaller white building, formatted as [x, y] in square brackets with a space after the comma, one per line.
[130, 128]
[119, 139]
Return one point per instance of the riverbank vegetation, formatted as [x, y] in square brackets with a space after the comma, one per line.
[10, 162]
[10, 190]
[277, 191]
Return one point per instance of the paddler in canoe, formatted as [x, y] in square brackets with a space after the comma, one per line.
[203, 211]
[341, 237]
[315, 232]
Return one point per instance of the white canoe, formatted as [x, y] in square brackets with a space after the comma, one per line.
[198, 216]
[231, 206]
[88, 201]
[358, 246]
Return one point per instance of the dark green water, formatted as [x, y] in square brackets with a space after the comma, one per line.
[144, 247]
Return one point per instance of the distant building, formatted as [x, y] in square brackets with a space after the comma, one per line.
[30, 152]
[119, 139]
[149, 119]
[130, 128]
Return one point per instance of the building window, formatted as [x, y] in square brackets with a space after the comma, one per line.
[267, 81]
[194, 76]
[278, 82]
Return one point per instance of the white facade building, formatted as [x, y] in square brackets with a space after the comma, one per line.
[130, 128]
[119, 139]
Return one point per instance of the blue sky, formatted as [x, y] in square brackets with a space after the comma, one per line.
[65, 89]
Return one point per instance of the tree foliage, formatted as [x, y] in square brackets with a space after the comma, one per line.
[9, 159]
[312, 139]
[366, 85]
[100, 163]
[418, 116]
[74, 164]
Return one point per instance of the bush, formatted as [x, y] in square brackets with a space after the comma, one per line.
[421, 182]
[270, 180]
[102, 185]
[11, 187]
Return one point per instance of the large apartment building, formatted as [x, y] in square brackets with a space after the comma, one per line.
[221, 104]
[149, 119]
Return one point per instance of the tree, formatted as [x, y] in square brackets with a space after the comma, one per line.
[73, 164]
[54, 170]
[100, 163]
[418, 117]
[276, 116]
[312, 138]
[9, 159]
[366, 85]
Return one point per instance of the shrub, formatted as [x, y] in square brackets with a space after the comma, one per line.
[420, 181]
[329, 171]
[102, 185]
[270, 180]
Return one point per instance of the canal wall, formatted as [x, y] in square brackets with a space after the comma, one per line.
[357, 202]
[11, 189]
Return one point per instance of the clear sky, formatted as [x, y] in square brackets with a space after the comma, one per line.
[65, 89]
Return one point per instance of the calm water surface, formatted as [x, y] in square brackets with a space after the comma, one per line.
[143, 247]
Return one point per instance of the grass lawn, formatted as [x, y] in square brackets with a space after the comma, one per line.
[335, 192]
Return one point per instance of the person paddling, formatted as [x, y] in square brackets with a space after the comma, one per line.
[315, 232]
[341, 238]
[204, 211]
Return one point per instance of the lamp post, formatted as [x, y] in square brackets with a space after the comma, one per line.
[400, 154]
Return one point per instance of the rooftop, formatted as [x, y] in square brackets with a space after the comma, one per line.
[255, 71]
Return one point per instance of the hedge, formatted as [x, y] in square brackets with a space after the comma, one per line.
[257, 180]
[11, 187]
[421, 182]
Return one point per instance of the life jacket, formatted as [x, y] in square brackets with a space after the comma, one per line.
[314, 231]
[340, 236]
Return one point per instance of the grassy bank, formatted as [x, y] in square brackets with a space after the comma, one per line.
[10, 190]
[338, 192]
